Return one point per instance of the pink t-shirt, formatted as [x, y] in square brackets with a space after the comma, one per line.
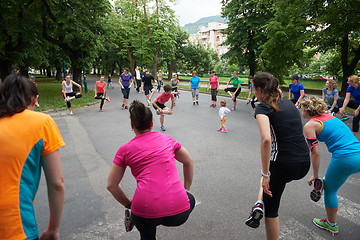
[213, 82]
[162, 98]
[159, 191]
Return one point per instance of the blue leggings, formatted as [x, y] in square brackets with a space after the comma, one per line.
[338, 171]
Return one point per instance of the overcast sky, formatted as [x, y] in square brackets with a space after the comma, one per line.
[189, 11]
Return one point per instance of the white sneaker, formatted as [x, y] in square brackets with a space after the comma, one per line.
[67, 98]
[71, 113]
[37, 105]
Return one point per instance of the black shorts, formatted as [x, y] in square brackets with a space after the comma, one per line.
[147, 89]
[282, 173]
[162, 106]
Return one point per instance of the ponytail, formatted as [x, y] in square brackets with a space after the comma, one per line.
[269, 85]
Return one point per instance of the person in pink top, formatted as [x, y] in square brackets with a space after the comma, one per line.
[159, 104]
[160, 197]
[214, 83]
[100, 92]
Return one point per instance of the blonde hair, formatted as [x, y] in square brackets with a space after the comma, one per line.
[223, 103]
[314, 105]
[354, 78]
[194, 72]
[332, 84]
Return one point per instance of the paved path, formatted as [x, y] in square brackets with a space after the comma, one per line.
[226, 176]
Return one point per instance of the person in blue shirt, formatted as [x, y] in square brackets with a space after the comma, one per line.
[126, 81]
[296, 89]
[353, 90]
[331, 95]
[194, 85]
[345, 159]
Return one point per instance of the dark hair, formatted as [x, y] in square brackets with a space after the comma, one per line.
[15, 95]
[212, 71]
[141, 116]
[167, 88]
[126, 69]
[269, 86]
[251, 77]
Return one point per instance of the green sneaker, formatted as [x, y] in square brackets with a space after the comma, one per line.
[324, 224]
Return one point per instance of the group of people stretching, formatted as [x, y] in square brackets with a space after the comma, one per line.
[161, 198]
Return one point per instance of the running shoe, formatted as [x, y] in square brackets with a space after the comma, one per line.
[315, 194]
[248, 102]
[71, 113]
[256, 215]
[197, 102]
[324, 224]
[233, 109]
[178, 95]
[123, 106]
[149, 101]
[100, 110]
[219, 129]
[158, 112]
[108, 99]
[174, 104]
[162, 128]
[126, 107]
[37, 105]
[67, 98]
[212, 105]
[344, 118]
[224, 131]
[193, 103]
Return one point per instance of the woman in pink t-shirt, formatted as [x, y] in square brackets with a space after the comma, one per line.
[160, 197]
[214, 83]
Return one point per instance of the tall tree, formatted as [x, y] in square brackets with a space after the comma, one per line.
[246, 30]
[336, 26]
[74, 26]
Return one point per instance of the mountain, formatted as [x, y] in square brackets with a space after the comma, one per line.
[194, 27]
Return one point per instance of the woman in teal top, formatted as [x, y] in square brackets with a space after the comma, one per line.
[235, 90]
[345, 149]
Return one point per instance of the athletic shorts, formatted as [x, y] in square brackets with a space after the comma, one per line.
[195, 92]
[147, 89]
[162, 106]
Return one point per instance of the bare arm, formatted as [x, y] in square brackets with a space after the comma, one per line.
[184, 157]
[310, 132]
[302, 93]
[120, 80]
[113, 185]
[290, 94]
[56, 191]
[264, 127]
[78, 85]
[336, 97]
[346, 101]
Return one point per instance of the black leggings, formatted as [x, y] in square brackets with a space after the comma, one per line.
[72, 94]
[253, 102]
[282, 173]
[126, 92]
[100, 96]
[213, 94]
[233, 90]
[147, 226]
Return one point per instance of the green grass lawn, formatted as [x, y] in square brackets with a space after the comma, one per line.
[50, 96]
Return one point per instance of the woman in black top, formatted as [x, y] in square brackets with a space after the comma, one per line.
[284, 151]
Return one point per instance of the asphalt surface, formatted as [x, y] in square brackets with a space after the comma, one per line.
[226, 176]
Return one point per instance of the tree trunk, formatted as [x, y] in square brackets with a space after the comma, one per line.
[171, 68]
[348, 69]
[24, 71]
[132, 62]
[48, 71]
[75, 56]
[5, 69]
[154, 67]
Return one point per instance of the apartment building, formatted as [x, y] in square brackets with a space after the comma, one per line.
[211, 37]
